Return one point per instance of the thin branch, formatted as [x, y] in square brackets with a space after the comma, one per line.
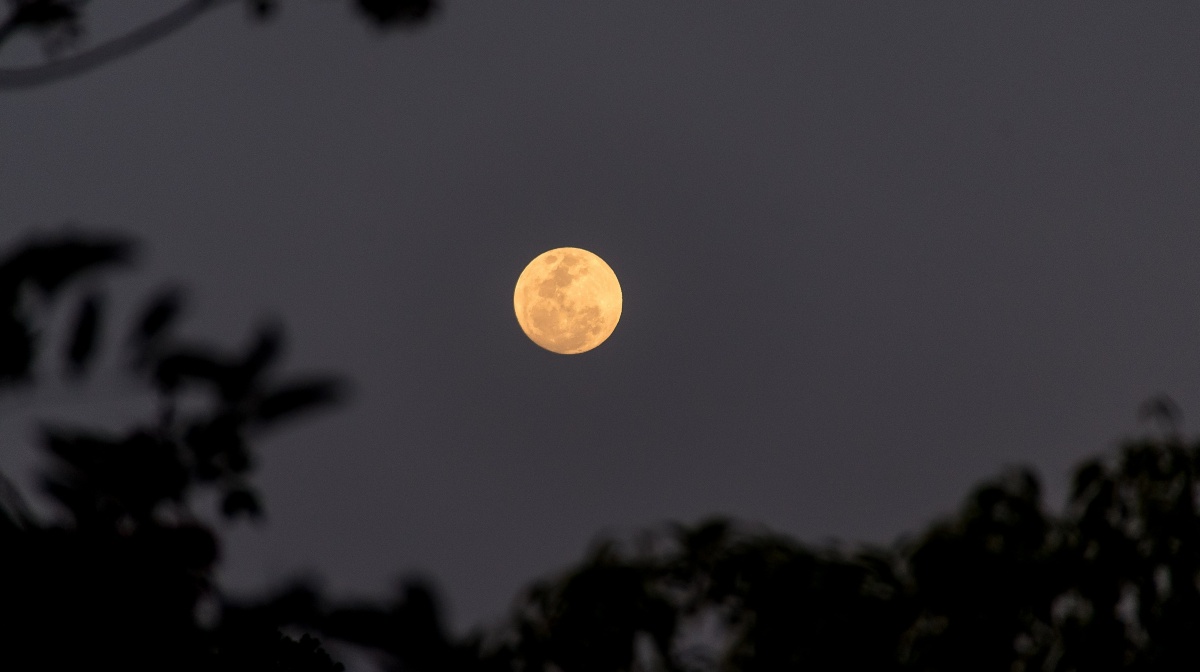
[24, 78]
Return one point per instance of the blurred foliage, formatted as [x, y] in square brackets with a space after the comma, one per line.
[1112, 583]
[123, 579]
[120, 578]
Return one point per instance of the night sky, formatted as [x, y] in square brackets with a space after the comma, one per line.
[871, 253]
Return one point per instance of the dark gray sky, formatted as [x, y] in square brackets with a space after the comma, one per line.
[871, 253]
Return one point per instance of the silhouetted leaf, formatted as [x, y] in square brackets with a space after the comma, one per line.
[46, 266]
[16, 349]
[241, 502]
[155, 318]
[82, 346]
[189, 366]
[49, 266]
[1162, 410]
[43, 14]
[266, 348]
[1086, 476]
[296, 397]
[244, 378]
[14, 513]
[397, 12]
[263, 9]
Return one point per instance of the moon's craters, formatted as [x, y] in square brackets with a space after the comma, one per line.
[568, 300]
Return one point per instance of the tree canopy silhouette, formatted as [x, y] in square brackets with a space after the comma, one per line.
[123, 577]
[120, 578]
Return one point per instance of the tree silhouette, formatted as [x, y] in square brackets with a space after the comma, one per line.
[1109, 584]
[123, 577]
[60, 27]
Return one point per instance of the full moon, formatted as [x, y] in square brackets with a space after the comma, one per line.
[568, 300]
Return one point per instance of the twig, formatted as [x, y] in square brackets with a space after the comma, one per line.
[33, 76]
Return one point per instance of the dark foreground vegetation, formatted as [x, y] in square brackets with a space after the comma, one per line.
[123, 578]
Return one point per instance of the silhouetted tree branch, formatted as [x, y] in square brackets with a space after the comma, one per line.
[95, 57]
[60, 25]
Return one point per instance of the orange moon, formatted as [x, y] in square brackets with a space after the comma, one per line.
[568, 300]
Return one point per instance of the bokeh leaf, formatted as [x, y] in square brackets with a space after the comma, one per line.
[48, 266]
[159, 313]
[81, 349]
[296, 397]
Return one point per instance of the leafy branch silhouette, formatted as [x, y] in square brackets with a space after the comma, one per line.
[119, 578]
